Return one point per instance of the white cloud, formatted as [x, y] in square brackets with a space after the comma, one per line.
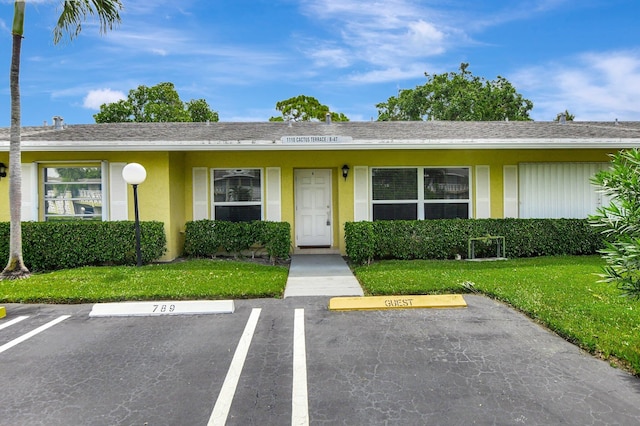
[159, 52]
[148, 8]
[388, 38]
[330, 57]
[95, 98]
[424, 32]
[592, 86]
[158, 41]
[389, 74]
[385, 14]
[483, 15]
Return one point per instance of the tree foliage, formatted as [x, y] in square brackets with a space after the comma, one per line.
[74, 13]
[620, 221]
[74, 174]
[199, 111]
[305, 108]
[457, 96]
[159, 103]
[567, 116]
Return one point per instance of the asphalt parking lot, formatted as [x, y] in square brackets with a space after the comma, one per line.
[292, 361]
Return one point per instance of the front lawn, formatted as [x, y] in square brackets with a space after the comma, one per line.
[193, 279]
[560, 292]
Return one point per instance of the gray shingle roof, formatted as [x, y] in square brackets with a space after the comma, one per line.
[357, 133]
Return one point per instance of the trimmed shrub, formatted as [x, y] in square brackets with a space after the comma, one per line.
[360, 241]
[275, 237]
[208, 238]
[448, 238]
[201, 239]
[49, 246]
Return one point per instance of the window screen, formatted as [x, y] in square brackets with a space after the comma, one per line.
[72, 193]
[411, 193]
[237, 194]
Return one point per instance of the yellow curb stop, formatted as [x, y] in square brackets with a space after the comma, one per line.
[396, 302]
[3, 312]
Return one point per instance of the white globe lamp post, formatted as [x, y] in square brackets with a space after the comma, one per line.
[134, 174]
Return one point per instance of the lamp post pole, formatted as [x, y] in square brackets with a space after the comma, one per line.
[134, 174]
[137, 225]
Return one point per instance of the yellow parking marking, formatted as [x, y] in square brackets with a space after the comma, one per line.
[397, 302]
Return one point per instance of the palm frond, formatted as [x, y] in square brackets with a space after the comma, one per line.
[75, 12]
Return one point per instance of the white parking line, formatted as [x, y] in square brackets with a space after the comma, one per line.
[13, 321]
[32, 333]
[299, 397]
[223, 403]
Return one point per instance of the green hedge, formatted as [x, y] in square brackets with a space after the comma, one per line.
[49, 246]
[207, 238]
[447, 238]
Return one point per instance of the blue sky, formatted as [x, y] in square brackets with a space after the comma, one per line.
[244, 56]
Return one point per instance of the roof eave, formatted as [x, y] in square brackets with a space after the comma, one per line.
[264, 145]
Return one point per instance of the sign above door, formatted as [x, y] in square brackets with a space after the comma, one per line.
[316, 139]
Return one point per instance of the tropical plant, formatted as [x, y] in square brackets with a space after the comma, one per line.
[73, 14]
[620, 221]
[566, 114]
[239, 193]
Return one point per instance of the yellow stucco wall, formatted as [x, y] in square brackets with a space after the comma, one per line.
[177, 206]
[166, 195]
[161, 196]
[288, 162]
[345, 202]
[343, 190]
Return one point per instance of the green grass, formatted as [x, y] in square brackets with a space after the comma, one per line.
[562, 293]
[194, 279]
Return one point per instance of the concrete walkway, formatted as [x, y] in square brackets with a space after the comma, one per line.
[321, 275]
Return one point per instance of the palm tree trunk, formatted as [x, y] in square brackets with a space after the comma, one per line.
[73, 13]
[15, 267]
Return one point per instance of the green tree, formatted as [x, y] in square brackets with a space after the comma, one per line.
[620, 221]
[567, 116]
[159, 103]
[199, 111]
[72, 15]
[457, 96]
[73, 174]
[305, 108]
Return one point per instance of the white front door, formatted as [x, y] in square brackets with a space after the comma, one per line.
[313, 207]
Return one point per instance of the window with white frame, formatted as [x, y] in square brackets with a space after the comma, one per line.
[73, 192]
[446, 193]
[409, 193]
[394, 193]
[237, 194]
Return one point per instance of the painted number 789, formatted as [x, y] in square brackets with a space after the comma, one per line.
[163, 308]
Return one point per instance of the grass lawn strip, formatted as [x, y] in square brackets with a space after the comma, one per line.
[194, 279]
